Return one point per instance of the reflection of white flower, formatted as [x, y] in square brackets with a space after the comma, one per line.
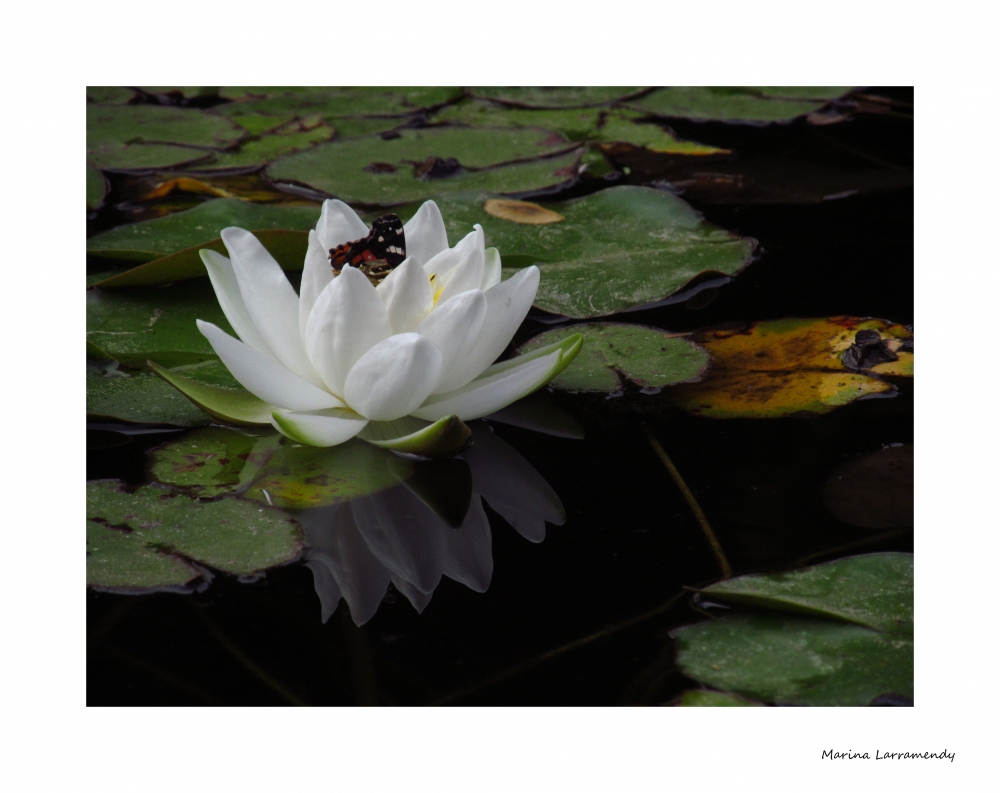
[344, 352]
[356, 548]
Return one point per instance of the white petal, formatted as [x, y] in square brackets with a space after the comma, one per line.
[347, 321]
[468, 555]
[394, 377]
[425, 234]
[466, 275]
[511, 485]
[491, 391]
[405, 535]
[334, 540]
[418, 599]
[454, 328]
[338, 223]
[507, 303]
[316, 276]
[227, 291]
[325, 585]
[319, 427]
[263, 377]
[472, 245]
[407, 296]
[270, 300]
[491, 269]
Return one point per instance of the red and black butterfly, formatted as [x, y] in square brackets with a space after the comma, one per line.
[377, 254]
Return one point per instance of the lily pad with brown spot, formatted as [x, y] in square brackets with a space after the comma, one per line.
[782, 367]
[207, 462]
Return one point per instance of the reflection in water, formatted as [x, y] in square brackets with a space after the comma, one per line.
[405, 534]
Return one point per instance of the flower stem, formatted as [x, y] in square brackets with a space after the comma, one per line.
[706, 527]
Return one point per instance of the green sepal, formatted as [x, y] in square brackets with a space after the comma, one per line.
[224, 404]
[444, 438]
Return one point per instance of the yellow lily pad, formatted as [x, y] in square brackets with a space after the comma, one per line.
[521, 212]
[782, 367]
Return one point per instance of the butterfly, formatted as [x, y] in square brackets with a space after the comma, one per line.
[377, 254]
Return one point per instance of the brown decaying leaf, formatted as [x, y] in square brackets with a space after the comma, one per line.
[521, 212]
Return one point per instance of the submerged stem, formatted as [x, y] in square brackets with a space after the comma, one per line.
[706, 527]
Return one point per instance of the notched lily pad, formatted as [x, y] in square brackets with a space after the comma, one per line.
[612, 353]
[207, 462]
[616, 250]
[857, 646]
[782, 367]
[415, 164]
[115, 560]
[747, 105]
[231, 535]
[700, 698]
[566, 96]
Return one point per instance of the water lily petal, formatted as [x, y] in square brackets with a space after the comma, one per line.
[319, 427]
[507, 303]
[419, 600]
[467, 274]
[425, 234]
[472, 245]
[316, 276]
[468, 556]
[324, 583]
[492, 390]
[347, 321]
[454, 328]
[338, 223]
[270, 300]
[394, 377]
[227, 290]
[407, 296]
[264, 378]
[511, 485]
[491, 269]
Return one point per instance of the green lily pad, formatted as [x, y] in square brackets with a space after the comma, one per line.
[589, 96]
[207, 462]
[300, 477]
[149, 240]
[617, 249]
[270, 147]
[97, 187]
[137, 325]
[699, 698]
[612, 352]
[738, 104]
[828, 659]
[334, 102]
[875, 590]
[148, 136]
[140, 398]
[109, 94]
[116, 561]
[231, 535]
[580, 124]
[377, 171]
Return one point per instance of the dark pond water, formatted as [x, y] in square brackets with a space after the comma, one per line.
[584, 616]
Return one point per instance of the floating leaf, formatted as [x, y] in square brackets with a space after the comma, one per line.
[116, 561]
[137, 325]
[97, 187]
[737, 104]
[299, 477]
[149, 136]
[206, 462]
[874, 491]
[109, 95]
[334, 102]
[148, 240]
[589, 96]
[420, 163]
[782, 367]
[811, 661]
[700, 698]
[646, 356]
[232, 535]
[618, 249]
[596, 126]
[521, 212]
[270, 147]
[874, 590]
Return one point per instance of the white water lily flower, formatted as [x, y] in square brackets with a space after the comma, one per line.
[344, 352]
